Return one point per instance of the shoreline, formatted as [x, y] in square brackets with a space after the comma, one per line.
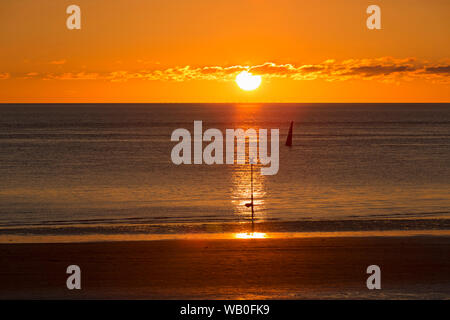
[101, 238]
[274, 268]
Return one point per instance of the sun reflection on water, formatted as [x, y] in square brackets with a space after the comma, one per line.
[248, 185]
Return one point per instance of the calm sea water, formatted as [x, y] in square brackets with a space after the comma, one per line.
[92, 169]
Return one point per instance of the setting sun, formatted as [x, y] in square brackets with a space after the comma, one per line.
[253, 235]
[248, 82]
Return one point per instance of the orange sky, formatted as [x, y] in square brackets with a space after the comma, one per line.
[191, 50]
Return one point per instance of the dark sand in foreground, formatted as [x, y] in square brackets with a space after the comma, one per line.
[412, 267]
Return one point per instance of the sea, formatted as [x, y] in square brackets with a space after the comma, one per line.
[75, 172]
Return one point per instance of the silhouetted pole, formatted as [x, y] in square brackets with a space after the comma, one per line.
[253, 211]
[251, 204]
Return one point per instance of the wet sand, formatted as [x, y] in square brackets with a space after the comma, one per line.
[333, 267]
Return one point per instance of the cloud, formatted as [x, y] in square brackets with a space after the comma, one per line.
[30, 75]
[73, 76]
[438, 69]
[384, 69]
[4, 75]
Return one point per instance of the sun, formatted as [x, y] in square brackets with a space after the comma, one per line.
[248, 82]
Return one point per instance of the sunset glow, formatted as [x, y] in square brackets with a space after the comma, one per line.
[225, 155]
[171, 51]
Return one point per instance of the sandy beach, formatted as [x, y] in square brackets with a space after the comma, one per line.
[334, 267]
